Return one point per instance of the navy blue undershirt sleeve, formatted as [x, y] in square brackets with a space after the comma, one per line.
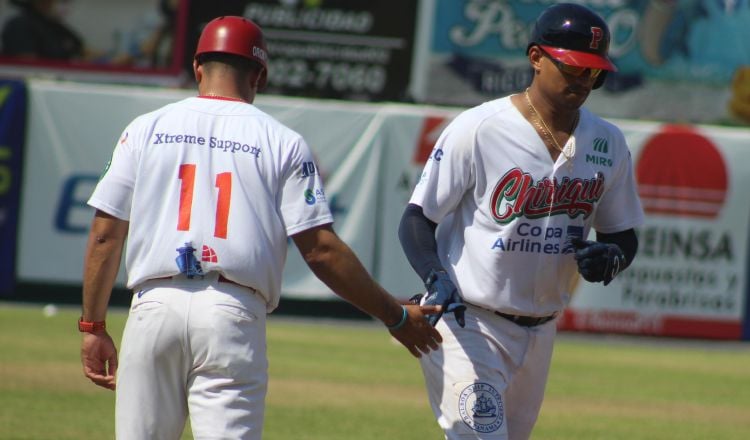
[626, 240]
[417, 235]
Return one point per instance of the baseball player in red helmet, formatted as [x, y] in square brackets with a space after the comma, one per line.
[207, 190]
[497, 228]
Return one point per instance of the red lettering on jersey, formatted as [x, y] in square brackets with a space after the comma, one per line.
[431, 129]
[596, 36]
[516, 195]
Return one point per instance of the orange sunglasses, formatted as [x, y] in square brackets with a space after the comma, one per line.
[572, 70]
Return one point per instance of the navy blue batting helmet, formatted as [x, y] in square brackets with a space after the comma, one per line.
[574, 35]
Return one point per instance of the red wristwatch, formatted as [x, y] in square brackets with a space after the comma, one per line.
[91, 326]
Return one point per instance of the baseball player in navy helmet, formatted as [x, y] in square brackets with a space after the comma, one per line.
[498, 228]
[207, 190]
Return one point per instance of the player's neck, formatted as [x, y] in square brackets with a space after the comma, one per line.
[211, 95]
[557, 119]
[222, 91]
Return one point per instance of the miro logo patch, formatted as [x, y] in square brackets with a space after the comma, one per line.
[600, 146]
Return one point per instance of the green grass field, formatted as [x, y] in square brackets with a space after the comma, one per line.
[344, 381]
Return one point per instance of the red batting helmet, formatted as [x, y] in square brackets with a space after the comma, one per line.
[237, 36]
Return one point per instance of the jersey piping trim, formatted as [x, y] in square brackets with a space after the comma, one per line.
[104, 207]
[222, 98]
[309, 224]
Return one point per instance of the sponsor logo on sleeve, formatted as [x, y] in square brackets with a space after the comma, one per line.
[308, 169]
[313, 196]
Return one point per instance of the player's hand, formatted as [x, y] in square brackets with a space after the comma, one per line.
[99, 359]
[598, 261]
[417, 335]
[442, 292]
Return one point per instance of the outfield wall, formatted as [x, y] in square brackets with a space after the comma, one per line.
[690, 278]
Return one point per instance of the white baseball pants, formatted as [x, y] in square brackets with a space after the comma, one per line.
[194, 347]
[487, 380]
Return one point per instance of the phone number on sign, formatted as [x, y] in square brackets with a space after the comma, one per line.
[341, 77]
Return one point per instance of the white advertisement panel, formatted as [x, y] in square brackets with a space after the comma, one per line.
[689, 278]
[73, 129]
[690, 275]
[71, 132]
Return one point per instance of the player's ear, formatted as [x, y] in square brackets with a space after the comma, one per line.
[258, 77]
[197, 71]
[262, 79]
[535, 58]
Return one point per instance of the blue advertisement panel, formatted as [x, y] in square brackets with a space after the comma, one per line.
[12, 131]
[746, 318]
[678, 60]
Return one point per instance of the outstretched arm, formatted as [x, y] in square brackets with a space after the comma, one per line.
[102, 261]
[334, 263]
[417, 235]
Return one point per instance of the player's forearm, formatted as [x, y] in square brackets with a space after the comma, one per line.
[100, 271]
[336, 265]
[101, 264]
[626, 240]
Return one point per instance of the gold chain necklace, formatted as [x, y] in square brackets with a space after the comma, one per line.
[545, 129]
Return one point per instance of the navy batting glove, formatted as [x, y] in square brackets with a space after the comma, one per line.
[598, 261]
[442, 292]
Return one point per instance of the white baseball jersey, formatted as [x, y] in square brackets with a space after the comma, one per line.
[506, 211]
[211, 185]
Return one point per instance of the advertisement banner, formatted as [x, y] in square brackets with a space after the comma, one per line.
[12, 131]
[410, 136]
[690, 275]
[689, 278]
[72, 130]
[339, 49]
[678, 60]
[64, 164]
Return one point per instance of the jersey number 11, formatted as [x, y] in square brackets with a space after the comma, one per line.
[223, 183]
